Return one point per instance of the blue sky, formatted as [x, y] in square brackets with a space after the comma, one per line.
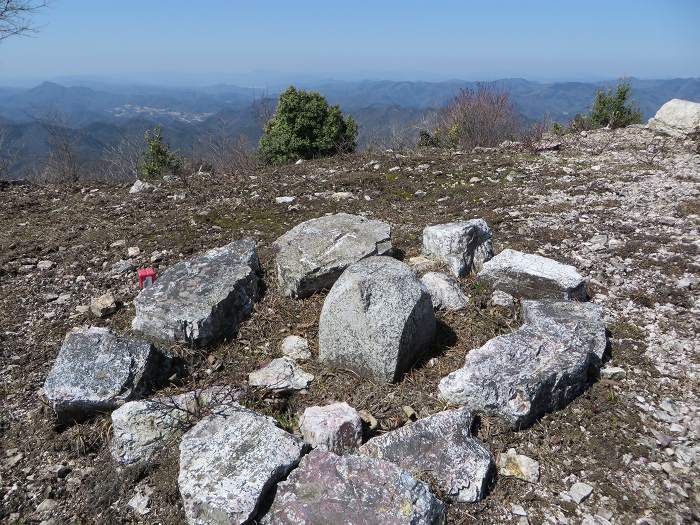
[207, 41]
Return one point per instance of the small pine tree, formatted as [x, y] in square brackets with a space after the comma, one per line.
[612, 109]
[305, 126]
[158, 158]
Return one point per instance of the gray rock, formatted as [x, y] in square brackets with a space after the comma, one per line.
[313, 254]
[443, 446]
[579, 492]
[122, 266]
[142, 429]
[464, 246]
[141, 186]
[377, 320]
[296, 348]
[613, 373]
[336, 427]
[680, 118]
[281, 375]
[230, 463]
[529, 276]
[514, 465]
[203, 300]
[103, 305]
[538, 368]
[97, 371]
[444, 291]
[327, 488]
[502, 300]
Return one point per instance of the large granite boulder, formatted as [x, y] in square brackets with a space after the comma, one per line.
[336, 427]
[313, 254]
[679, 118]
[230, 463]
[463, 246]
[443, 446]
[377, 320]
[444, 291]
[530, 276]
[142, 429]
[330, 489]
[202, 300]
[538, 368]
[97, 370]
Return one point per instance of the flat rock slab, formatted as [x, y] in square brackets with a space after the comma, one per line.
[444, 291]
[230, 463]
[97, 370]
[329, 489]
[202, 300]
[530, 276]
[463, 246]
[442, 446]
[680, 118]
[312, 255]
[142, 429]
[377, 320]
[522, 375]
[336, 427]
[280, 375]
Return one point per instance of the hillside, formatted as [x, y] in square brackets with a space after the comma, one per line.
[620, 206]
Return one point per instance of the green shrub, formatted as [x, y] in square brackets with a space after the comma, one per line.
[158, 159]
[304, 126]
[613, 109]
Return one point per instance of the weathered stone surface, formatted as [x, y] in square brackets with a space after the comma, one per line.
[336, 427]
[514, 465]
[377, 320]
[327, 488]
[103, 305]
[202, 300]
[680, 118]
[141, 186]
[444, 291]
[142, 429]
[280, 375]
[313, 254]
[529, 276]
[464, 246]
[441, 444]
[296, 348]
[538, 368]
[502, 300]
[96, 371]
[229, 464]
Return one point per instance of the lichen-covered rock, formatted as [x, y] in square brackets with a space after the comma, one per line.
[330, 489]
[142, 429]
[538, 368]
[202, 300]
[230, 463]
[680, 118]
[313, 254]
[97, 370]
[444, 291]
[296, 348]
[280, 375]
[530, 276]
[336, 427]
[464, 246]
[443, 446]
[377, 320]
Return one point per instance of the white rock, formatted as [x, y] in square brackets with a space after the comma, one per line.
[280, 375]
[342, 195]
[613, 372]
[284, 200]
[45, 265]
[103, 305]
[444, 291]
[140, 186]
[464, 246]
[514, 465]
[336, 427]
[133, 251]
[677, 117]
[579, 492]
[502, 299]
[296, 348]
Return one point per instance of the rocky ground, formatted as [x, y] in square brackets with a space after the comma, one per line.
[621, 206]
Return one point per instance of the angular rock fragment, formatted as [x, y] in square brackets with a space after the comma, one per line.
[377, 320]
[327, 488]
[141, 186]
[281, 375]
[296, 348]
[442, 446]
[313, 254]
[502, 300]
[529, 276]
[230, 463]
[103, 305]
[336, 427]
[96, 371]
[202, 300]
[679, 118]
[464, 246]
[514, 465]
[444, 291]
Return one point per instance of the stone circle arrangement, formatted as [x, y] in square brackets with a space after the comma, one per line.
[238, 466]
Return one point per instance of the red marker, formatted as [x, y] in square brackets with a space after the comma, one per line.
[147, 276]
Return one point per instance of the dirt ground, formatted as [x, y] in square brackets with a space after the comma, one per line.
[622, 206]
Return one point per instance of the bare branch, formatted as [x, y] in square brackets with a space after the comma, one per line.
[15, 16]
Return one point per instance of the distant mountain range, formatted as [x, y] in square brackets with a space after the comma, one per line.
[103, 114]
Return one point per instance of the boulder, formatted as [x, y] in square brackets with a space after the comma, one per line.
[230, 463]
[444, 291]
[377, 320]
[97, 370]
[142, 429]
[463, 246]
[442, 445]
[202, 300]
[336, 427]
[281, 375]
[327, 488]
[679, 118]
[538, 368]
[296, 348]
[529, 276]
[313, 254]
